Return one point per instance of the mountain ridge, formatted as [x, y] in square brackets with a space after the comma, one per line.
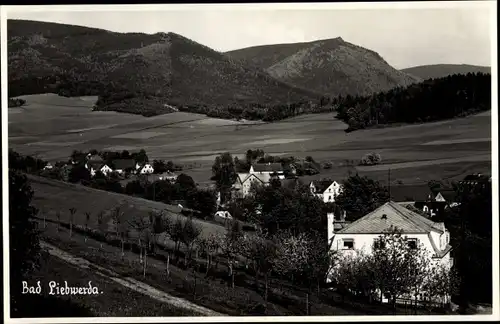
[433, 71]
[329, 66]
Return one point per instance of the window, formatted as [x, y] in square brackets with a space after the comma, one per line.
[412, 243]
[348, 244]
[378, 244]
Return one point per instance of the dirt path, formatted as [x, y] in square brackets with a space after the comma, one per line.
[129, 282]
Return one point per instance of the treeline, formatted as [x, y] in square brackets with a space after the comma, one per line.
[14, 102]
[434, 99]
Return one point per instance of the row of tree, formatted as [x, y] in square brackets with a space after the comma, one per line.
[434, 99]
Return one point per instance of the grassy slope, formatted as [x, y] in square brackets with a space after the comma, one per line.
[330, 66]
[442, 70]
[168, 67]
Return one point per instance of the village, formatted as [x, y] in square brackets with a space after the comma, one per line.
[415, 215]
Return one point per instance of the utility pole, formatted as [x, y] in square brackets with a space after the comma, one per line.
[389, 182]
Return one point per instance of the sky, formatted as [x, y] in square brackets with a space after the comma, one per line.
[457, 34]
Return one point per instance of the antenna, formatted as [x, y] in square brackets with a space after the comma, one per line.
[389, 182]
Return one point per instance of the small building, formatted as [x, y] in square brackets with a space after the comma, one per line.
[476, 179]
[170, 176]
[48, 166]
[145, 168]
[245, 181]
[224, 214]
[95, 166]
[326, 190]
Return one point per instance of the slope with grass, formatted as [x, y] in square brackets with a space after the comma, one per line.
[443, 70]
[332, 67]
[132, 72]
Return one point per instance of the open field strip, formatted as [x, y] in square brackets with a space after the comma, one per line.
[128, 282]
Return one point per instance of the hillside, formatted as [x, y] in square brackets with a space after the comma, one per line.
[331, 67]
[443, 70]
[434, 99]
[136, 73]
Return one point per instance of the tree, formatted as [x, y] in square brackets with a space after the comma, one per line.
[120, 227]
[231, 247]
[203, 201]
[159, 166]
[176, 233]
[440, 284]
[79, 173]
[399, 266]
[361, 195]
[190, 233]
[72, 212]
[371, 159]
[25, 252]
[224, 174]
[87, 220]
[210, 245]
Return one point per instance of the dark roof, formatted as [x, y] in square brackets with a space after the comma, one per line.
[95, 157]
[477, 177]
[96, 165]
[448, 194]
[267, 167]
[395, 216]
[410, 193]
[123, 164]
[322, 185]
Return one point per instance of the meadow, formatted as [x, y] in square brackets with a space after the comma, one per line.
[51, 127]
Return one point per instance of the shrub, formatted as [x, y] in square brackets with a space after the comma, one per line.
[371, 159]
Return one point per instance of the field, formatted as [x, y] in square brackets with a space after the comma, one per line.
[51, 127]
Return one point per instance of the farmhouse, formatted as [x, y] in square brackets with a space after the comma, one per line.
[145, 168]
[269, 169]
[94, 166]
[475, 179]
[364, 232]
[326, 190]
[123, 165]
[223, 214]
[245, 181]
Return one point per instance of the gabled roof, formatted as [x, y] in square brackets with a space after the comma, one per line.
[401, 193]
[448, 194]
[396, 216]
[322, 185]
[122, 164]
[96, 165]
[264, 178]
[267, 167]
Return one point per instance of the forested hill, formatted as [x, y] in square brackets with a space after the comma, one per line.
[442, 70]
[330, 66]
[434, 99]
[138, 73]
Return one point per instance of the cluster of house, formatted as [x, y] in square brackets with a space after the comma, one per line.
[263, 173]
[94, 163]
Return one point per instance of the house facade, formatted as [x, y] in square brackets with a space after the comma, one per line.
[325, 190]
[362, 235]
[268, 169]
[245, 181]
[146, 168]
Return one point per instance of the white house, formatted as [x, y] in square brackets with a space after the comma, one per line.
[244, 182]
[326, 190]
[223, 214]
[48, 166]
[268, 169]
[146, 168]
[362, 234]
[93, 168]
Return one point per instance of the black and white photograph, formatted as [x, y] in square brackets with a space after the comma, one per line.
[250, 162]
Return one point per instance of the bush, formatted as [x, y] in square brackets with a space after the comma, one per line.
[371, 159]
[327, 165]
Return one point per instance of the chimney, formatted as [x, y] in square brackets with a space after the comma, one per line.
[330, 227]
[343, 215]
